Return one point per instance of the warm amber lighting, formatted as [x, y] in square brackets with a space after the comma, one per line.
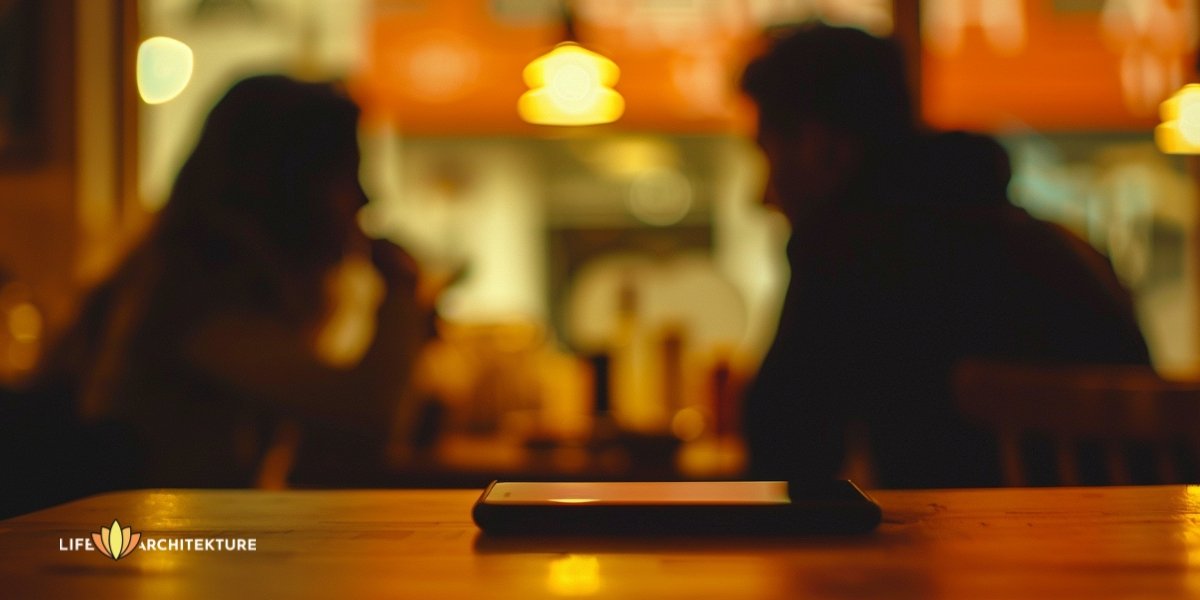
[353, 291]
[688, 424]
[21, 332]
[1152, 39]
[945, 24]
[25, 322]
[571, 85]
[164, 68]
[574, 575]
[1179, 132]
[441, 67]
[660, 197]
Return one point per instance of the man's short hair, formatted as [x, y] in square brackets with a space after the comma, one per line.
[844, 77]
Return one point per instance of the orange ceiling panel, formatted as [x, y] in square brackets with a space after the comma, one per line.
[1067, 75]
[455, 68]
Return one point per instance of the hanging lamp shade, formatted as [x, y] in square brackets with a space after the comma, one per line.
[1179, 132]
[571, 85]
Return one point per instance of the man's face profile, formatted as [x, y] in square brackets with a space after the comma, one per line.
[809, 163]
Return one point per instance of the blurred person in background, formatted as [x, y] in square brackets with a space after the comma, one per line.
[906, 257]
[235, 316]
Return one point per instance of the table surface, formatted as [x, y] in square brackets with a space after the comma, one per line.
[1058, 543]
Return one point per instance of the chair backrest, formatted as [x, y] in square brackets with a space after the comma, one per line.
[1124, 414]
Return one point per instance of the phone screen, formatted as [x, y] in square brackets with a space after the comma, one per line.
[640, 492]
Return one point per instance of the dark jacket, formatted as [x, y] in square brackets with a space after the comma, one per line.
[884, 301]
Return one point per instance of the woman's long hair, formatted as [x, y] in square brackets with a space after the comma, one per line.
[267, 159]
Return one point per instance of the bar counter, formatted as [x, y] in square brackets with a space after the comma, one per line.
[1094, 543]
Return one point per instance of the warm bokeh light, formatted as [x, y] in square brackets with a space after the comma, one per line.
[1097, 65]
[660, 197]
[441, 67]
[25, 322]
[574, 575]
[1153, 39]
[1179, 132]
[688, 424]
[22, 330]
[571, 85]
[164, 68]
[353, 292]
[1002, 22]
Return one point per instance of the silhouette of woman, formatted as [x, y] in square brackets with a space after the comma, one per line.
[215, 329]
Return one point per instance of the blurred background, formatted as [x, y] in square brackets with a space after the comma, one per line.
[641, 241]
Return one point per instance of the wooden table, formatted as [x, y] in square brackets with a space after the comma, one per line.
[1092, 543]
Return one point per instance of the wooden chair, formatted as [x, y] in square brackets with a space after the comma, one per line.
[1114, 406]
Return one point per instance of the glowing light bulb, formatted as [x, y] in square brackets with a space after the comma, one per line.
[571, 85]
[164, 68]
[1179, 132]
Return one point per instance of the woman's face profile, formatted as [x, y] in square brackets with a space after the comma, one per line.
[346, 198]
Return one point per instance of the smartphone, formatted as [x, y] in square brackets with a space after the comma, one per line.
[674, 508]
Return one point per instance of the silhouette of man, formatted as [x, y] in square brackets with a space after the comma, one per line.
[906, 258]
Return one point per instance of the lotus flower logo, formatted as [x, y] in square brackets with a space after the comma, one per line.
[115, 542]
